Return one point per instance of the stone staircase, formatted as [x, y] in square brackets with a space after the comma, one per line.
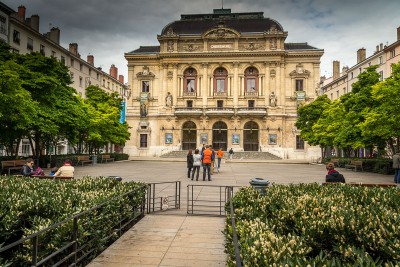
[238, 155]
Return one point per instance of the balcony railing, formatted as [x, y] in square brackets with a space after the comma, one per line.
[188, 111]
[220, 111]
[191, 94]
[252, 111]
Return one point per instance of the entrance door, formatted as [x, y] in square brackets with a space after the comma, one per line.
[220, 136]
[189, 134]
[250, 136]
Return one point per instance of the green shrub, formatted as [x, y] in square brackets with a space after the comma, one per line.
[28, 205]
[338, 225]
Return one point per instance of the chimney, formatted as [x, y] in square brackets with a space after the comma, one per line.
[73, 48]
[344, 70]
[377, 48]
[121, 78]
[35, 22]
[21, 12]
[398, 34]
[54, 35]
[114, 71]
[336, 69]
[90, 59]
[381, 47]
[361, 55]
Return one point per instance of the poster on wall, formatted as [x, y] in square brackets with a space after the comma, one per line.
[203, 138]
[272, 139]
[168, 138]
[235, 139]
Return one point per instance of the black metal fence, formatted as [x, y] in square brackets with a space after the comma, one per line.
[163, 195]
[83, 244]
[233, 224]
[208, 199]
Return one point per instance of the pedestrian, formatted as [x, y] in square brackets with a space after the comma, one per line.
[231, 154]
[333, 175]
[189, 161]
[213, 160]
[27, 168]
[196, 164]
[66, 170]
[207, 158]
[396, 167]
[203, 148]
[220, 154]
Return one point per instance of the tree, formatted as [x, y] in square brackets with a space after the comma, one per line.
[383, 119]
[307, 116]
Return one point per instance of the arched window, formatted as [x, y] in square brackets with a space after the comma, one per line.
[251, 81]
[190, 81]
[220, 81]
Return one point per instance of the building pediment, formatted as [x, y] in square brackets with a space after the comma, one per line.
[300, 72]
[221, 33]
[145, 74]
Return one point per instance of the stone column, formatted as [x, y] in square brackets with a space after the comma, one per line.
[174, 84]
[204, 86]
[236, 86]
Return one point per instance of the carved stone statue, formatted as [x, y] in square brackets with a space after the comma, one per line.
[273, 99]
[168, 100]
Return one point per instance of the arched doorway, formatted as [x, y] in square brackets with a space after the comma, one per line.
[189, 134]
[220, 135]
[250, 136]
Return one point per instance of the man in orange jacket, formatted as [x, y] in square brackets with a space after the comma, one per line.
[207, 157]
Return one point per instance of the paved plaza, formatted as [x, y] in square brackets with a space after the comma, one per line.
[173, 238]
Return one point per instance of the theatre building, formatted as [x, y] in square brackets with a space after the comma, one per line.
[226, 79]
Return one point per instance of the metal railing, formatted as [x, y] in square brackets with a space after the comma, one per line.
[233, 224]
[82, 243]
[160, 195]
[207, 199]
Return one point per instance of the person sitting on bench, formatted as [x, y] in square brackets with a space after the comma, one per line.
[67, 170]
[333, 175]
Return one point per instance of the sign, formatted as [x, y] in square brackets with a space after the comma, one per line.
[204, 138]
[301, 95]
[168, 138]
[123, 112]
[235, 139]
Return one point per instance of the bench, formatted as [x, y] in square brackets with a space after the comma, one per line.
[106, 158]
[83, 160]
[53, 177]
[10, 165]
[354, 164]
[362, 184]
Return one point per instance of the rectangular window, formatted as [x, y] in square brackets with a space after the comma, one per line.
[97, 76]
[190, 86]
[42, 50]
[29, 44]
[189, 103]
[380, 60]
[143, 140]
[392, 53]
[53, 53]
[63, 60]
[90, 72]
[81, 67]
[145, 86]
[251, 104]
[3, 28]
[381, 75]
[299, 143]
[72, 62]
[220, 104]
[344, 90]
[16, 37]
[337, 94]
[251, 85]
[220, 85]
[352, 75]
[299, 85]
[80, 81]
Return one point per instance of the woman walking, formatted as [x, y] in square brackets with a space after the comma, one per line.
[189, 161]
[196, 164]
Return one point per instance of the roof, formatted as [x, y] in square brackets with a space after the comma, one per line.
[298, 46]
[146, 50]
[250, 22]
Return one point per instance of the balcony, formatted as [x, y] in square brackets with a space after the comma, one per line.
[187, 111]
[220, 112]
[189, 94]
[251, 94]
[252, 112]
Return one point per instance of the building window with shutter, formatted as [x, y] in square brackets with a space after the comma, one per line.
[143, 140]
[299, 143]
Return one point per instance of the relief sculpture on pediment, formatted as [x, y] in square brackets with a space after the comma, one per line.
[221, 33]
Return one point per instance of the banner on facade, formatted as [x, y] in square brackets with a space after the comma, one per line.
[123, 111]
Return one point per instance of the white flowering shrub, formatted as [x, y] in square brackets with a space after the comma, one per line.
[28, 205]
[314, 225]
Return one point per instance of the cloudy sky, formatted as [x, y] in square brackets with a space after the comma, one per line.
[107, 29]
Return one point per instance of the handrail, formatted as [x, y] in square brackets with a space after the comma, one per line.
[73, 242]
[235, 238]
[155, 202]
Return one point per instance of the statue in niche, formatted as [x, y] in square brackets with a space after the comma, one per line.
[143, 110]
[170, 46]
[168, 100]
[273, 43]
[273, 99]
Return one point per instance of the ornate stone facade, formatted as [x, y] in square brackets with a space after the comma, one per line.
[226, 79]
